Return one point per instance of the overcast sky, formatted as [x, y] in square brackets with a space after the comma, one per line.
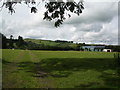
[98, 24]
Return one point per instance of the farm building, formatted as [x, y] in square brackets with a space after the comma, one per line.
[107, 50]
[93, 48]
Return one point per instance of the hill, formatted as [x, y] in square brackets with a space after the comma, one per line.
[38, 44]
[50, 43]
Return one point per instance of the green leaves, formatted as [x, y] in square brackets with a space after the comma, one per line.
[58, 22]
[57, 10]
[33, 9]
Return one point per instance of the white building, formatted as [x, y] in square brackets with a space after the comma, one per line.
[93, 48]
[107, 50]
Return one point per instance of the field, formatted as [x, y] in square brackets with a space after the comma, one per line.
[58, 69]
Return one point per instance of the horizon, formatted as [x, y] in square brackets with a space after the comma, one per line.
[64, 40]
[92, 26]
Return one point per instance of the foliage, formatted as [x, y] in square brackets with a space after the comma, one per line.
[55, 9]
[10, 43]
[3, 40]
[114, 48]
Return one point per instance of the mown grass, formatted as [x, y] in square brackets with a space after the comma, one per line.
[50, 43]
[59, 69]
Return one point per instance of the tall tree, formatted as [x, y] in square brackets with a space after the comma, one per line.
[3, 41]
[20, 42]
[11, 42]
[11, 37]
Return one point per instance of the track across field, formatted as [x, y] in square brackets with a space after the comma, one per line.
[58, 69]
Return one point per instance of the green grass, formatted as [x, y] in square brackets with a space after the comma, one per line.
[40, 41]
[49, 42]
[59, 69]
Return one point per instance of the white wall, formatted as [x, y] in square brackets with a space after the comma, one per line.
[107, 50]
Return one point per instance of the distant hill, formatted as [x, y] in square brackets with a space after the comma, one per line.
[64, 45]
[39, 44]
[51, 43]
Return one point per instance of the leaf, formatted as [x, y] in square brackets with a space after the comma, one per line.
[33, 9]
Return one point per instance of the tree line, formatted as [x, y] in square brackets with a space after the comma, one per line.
[10, 43]
[20, 43]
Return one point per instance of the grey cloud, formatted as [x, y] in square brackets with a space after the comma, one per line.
[106, 32]
[97, 24]
[93, 27]
[96, 12]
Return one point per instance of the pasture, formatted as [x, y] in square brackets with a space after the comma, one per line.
[58, 69]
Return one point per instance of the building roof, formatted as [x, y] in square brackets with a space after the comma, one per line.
[100, 47]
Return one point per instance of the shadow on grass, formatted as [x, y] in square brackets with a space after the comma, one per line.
[111, 80]
[64, 67]
[76, 64]
[88, 85]
[5, 62]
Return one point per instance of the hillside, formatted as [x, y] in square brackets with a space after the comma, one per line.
[38, 44]
[52, 43]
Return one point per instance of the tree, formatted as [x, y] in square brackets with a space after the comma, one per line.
[3, 40]
[20, 42]
[55, 9]
[11, 42]
[11, 37]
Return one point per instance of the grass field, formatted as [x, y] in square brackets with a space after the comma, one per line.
[59, 69]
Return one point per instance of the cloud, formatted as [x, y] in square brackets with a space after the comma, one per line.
[107, 33]
[96, 12]
[97, 24]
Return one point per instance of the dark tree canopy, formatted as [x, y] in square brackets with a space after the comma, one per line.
[55, 9]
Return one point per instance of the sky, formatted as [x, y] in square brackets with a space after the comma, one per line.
[98, 24]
